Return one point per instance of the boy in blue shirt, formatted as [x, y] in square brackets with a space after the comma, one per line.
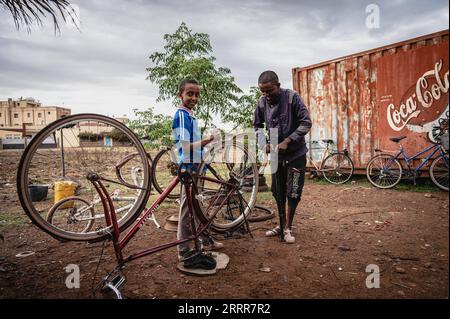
[189, 144]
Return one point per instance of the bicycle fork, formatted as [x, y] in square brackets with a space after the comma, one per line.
[115, 279]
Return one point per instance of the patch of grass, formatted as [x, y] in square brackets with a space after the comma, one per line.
[11, 220]
[168, 203]
[423, 185]
[265, 197]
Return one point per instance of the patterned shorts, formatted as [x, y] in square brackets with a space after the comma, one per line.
[289, 179]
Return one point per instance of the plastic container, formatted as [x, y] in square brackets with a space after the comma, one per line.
[65, 189]
[38, 192]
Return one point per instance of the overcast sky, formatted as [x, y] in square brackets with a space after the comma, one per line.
[102, 68]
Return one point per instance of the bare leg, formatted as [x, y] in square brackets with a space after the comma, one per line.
[290, 216]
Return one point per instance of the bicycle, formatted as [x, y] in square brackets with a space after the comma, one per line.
[165, 167]
[117, 163]
[335, 166]
[70, 158]
[385, 170]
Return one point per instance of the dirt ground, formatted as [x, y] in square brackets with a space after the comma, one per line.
[339, 231]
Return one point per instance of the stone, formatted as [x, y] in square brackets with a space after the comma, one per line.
[400, 270]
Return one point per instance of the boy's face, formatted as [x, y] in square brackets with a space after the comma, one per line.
[190, 95]
[271, 91]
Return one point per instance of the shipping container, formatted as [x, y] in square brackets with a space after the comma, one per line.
[361, 100]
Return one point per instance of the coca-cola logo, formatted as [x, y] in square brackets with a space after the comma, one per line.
[429, 92]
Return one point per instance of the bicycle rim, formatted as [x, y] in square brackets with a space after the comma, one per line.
[164, 170]
[61, 155]
[439, 172]
[231, 163]
[75, 214]
[384, 171]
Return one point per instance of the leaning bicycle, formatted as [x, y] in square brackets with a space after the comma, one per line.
[386, 171]
[335, 166]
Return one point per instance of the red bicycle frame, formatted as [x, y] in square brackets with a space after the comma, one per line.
[111, 217]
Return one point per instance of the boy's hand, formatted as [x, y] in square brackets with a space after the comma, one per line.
[267, 148]
[283, 145]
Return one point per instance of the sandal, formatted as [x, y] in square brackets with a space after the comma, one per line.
[274, 232]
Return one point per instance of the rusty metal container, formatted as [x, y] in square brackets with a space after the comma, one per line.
[361, 100]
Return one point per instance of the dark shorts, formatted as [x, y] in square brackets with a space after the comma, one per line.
[289, 179]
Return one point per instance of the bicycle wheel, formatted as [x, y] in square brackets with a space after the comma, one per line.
[384, 171]
[61, 155]
[337, 168]
[439, 172]
[74, 214]
[164, 170]
[232, 164]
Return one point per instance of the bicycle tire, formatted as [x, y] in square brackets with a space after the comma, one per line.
[383, 179]
[230, 219]
[268, 214]
[156, 173]
[335, 176]
[52, 211]
[439, 172]
[24, 174]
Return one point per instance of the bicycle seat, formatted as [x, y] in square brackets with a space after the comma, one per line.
[328, 141]
[397, 139]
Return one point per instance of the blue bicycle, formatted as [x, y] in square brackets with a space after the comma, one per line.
[386, 171]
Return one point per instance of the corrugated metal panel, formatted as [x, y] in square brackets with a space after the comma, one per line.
[362, 99]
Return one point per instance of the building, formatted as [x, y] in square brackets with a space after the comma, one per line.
[24, 118]
[21, 119]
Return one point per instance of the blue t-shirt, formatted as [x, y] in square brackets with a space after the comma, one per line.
[185, 128]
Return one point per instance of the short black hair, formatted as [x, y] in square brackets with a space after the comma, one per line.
[268, 77]
[184, 82]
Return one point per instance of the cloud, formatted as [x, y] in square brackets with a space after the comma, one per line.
[104, 64]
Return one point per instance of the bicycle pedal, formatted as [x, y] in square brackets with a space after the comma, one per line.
[118, 281]
[114, 283]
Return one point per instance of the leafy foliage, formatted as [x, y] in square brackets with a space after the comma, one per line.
[89, 136]
[156, 128]
[118, 135]
[188, 55]
[241, 114]
[28, 12]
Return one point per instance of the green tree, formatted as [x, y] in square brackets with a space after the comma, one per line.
[241, 114]
[156, 128]
[89, 136]
[118, 136]
[188, 55]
